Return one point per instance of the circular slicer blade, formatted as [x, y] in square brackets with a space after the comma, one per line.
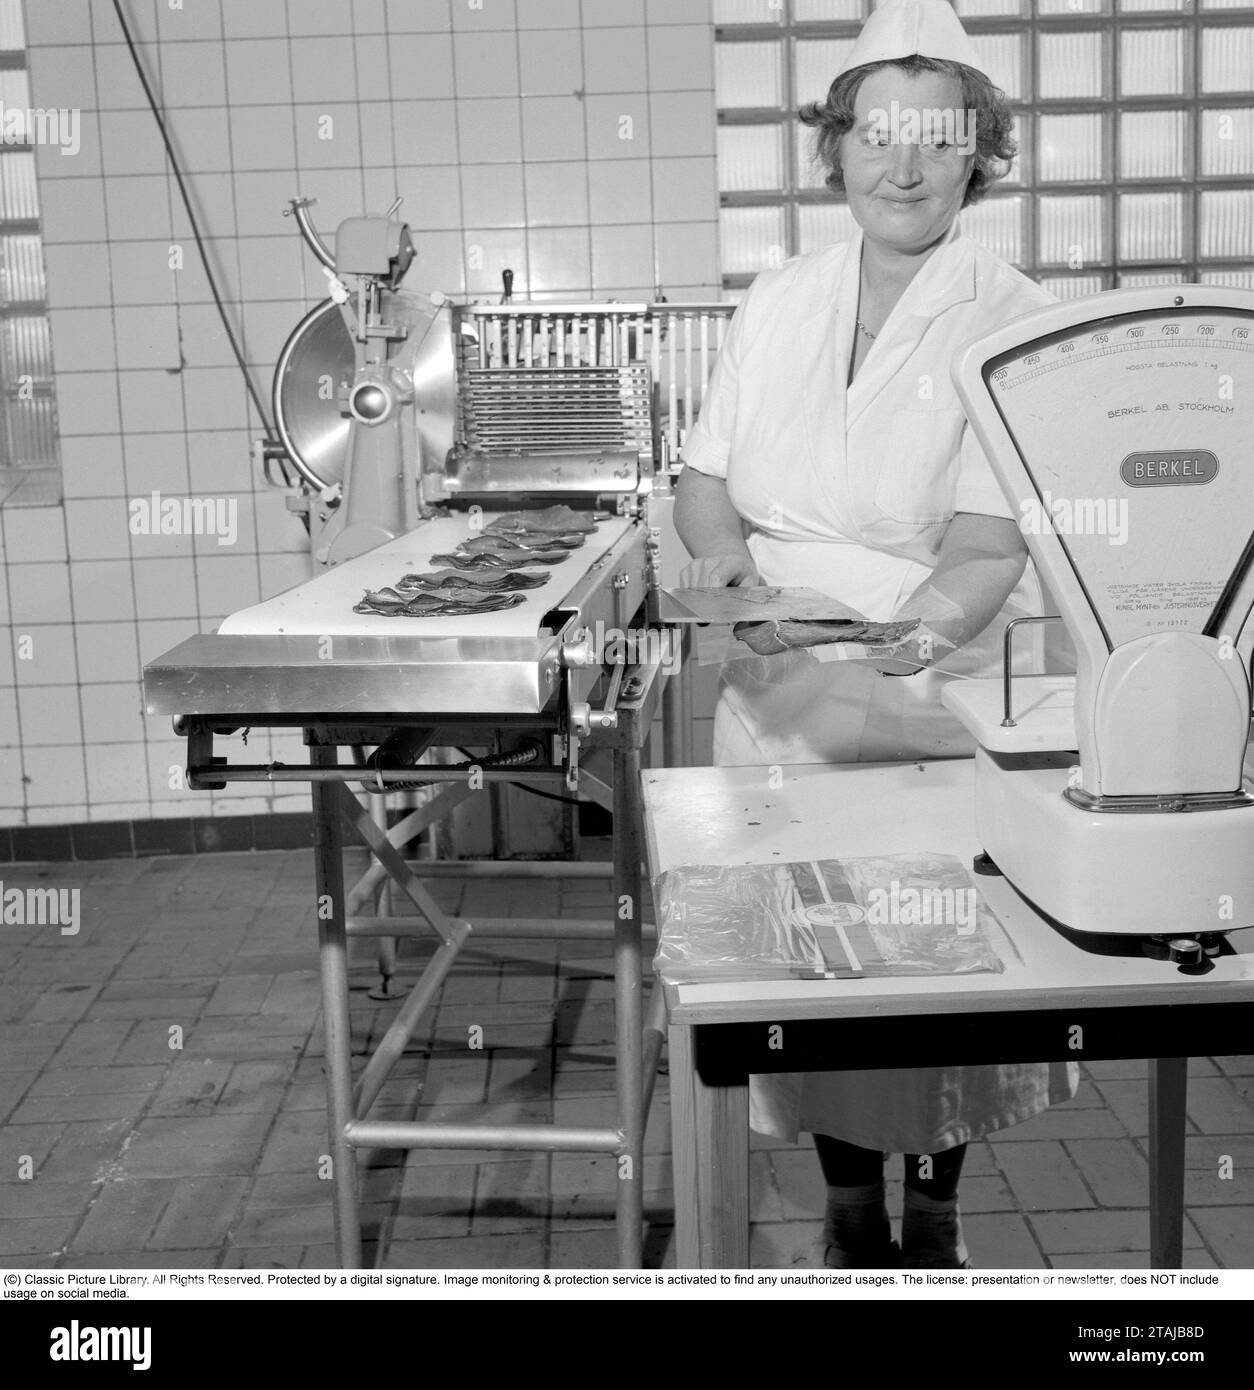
[314, 432]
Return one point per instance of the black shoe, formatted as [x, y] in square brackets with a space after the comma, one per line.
[933, 1260]
[886, 1256]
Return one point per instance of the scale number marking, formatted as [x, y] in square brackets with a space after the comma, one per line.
[1067, 352]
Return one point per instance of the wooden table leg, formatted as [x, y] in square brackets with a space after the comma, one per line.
[722, 1122]
[683, 1146]
[710, 1144]
[1168, 1087]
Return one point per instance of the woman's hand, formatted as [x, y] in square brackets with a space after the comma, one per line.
[887, 666]
[908, 658]
[979, 563]
[762, 638]
[719, 572]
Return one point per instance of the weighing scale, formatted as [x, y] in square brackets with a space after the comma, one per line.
[1120, 427]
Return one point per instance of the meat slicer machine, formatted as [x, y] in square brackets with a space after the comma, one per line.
[1117, 800]
[413, 422]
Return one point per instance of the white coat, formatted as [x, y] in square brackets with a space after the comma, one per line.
[849, 490]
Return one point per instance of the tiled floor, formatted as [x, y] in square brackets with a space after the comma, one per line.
[162, 1102]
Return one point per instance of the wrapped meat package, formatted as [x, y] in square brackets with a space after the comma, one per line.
[896, 914]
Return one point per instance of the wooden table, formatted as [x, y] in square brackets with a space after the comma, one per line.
[1054, 1001]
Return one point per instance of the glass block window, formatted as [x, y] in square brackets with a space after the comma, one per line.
[1135, 123]
[30, 470]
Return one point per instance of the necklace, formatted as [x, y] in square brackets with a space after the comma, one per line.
[862, 328]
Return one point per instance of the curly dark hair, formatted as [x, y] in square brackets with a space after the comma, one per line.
[995, 147]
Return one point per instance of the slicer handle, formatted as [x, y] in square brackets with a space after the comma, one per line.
[299, 209]
[507, 284]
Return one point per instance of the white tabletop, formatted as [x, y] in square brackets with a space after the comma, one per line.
[736, 816]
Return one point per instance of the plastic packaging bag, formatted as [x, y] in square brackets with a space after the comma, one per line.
[900, 914]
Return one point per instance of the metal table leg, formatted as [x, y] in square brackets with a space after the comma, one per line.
[349, 1123]
[672, 715]
[386, 947]
[628, 1007]
[688, 658]
[333, 960]
[1168, 1087]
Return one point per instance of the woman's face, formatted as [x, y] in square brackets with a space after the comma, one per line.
[907, 159]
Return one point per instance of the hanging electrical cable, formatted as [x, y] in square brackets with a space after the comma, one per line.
[271, 436]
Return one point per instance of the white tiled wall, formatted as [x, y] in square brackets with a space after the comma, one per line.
[570, 140]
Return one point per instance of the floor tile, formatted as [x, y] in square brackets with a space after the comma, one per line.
[162, 1086]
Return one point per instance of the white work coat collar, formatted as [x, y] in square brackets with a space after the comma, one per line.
[826, 341]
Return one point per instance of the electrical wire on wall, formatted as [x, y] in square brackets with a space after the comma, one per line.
[271, 437]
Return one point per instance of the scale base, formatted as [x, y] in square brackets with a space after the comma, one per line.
[1154, 873]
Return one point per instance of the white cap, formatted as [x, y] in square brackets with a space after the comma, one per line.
[902, 28]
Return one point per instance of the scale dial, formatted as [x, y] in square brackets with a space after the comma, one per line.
[1136, 433]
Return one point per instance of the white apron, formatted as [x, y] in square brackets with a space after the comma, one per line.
[849, 492]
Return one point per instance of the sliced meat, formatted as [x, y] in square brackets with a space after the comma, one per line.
[499, 581]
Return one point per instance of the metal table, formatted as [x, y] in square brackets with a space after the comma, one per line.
[525, 678]
[1055, 999]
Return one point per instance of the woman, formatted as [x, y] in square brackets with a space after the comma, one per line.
[832, 452]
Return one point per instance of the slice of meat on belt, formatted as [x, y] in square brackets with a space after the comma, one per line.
[556, 518]
[486, 560]
[436, 603]
[523, 541]
[499, 581]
